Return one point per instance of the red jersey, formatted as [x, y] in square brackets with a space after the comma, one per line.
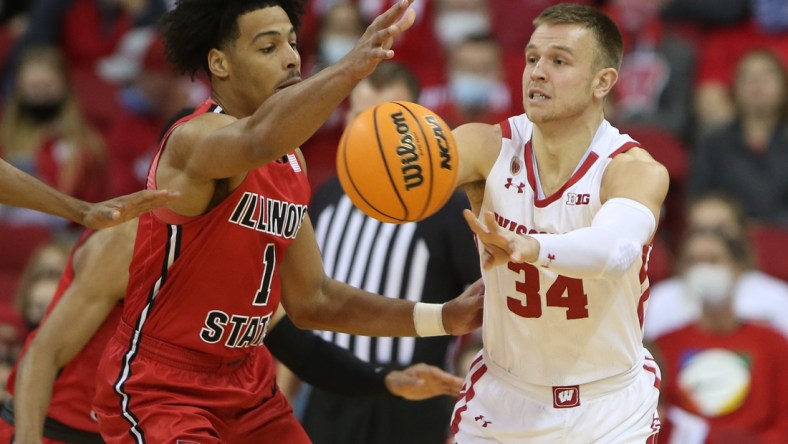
[736, 381]
[210, 283]
[75, 386]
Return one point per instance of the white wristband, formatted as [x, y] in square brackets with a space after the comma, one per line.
[428, 319]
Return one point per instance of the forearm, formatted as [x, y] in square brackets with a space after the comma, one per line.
[32, 394]
[343, 308]
[284, 122]
[607, 248]
[323, 364]
[20, 189]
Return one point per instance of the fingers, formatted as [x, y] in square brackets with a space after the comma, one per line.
[403, 24]
[392, 15]
[474, 223]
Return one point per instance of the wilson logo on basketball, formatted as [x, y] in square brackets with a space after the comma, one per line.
[407, 153]
[443, 144]
[566, 397]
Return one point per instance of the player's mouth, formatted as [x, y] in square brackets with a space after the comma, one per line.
[289, 82]
[537, 95]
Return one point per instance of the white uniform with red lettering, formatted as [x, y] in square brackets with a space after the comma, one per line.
[563, 360]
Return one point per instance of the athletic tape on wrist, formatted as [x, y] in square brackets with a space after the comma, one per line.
[428, 319]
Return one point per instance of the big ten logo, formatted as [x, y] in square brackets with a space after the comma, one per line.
[577, 199]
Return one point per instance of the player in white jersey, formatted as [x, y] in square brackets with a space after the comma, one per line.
[565, 209]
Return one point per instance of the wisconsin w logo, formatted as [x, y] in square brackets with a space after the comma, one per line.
[566, 397]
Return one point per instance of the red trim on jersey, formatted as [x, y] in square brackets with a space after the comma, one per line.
[652, 439]
[576, 176]
[625, 147]
[657, 381]
[644, 279]
[469, 394]
[506, 129]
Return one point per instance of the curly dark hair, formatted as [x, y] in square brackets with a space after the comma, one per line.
[194, 27]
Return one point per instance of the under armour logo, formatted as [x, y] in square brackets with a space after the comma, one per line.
[550, 259]
[480, 418]
[520, 186]
[566, 397]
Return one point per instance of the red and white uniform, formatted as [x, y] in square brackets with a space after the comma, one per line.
[557, 342]
[73, 390]
[201, 293]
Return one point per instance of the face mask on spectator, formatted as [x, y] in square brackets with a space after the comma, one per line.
[134, 100]
[470, 90]
[710, 283]
[454, 27]
[41, 112]
[333, 48]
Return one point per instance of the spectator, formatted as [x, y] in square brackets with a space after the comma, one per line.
[757, 297]
[44, 133]
[86, 30]
[652, 87]
[476, 91]
[39, 281]
[151, 94]
[722, 51]
[724, 377]
[746, 158]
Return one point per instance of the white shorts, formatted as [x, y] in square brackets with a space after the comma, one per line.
[493, 410]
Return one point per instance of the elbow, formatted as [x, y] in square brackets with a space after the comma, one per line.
[304, 319]
[621, 258]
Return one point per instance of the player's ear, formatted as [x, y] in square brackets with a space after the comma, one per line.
[604, 81]
[218, 63]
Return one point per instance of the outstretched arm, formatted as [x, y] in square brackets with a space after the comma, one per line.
[20, 189]
[332, 368]
[633, 189]
[291, 117]
[316, 302]
[101, 273]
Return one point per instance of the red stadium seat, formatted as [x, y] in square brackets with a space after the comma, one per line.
[770, 243]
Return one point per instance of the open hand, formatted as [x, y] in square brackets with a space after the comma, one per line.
[501, 246]
[375, 44]
[422, 381]
[463, 314]
[120, 209]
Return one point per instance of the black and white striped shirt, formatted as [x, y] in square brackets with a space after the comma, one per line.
[429, 261]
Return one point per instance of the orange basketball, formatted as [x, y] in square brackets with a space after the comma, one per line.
[397, 162]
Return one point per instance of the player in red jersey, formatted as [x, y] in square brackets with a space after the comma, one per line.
[20, 189]
[54, 382]
[208, 271]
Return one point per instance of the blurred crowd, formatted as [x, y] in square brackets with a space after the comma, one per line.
[86, 92]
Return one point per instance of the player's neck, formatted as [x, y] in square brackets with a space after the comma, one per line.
[559, 147]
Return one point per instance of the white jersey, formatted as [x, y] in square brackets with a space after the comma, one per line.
[540, 327]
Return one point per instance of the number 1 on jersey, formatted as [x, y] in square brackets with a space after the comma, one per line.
[269, 263]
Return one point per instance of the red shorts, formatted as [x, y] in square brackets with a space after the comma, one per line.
[7, 435]
[172, 395]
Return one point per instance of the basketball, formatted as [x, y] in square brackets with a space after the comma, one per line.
[397, 161]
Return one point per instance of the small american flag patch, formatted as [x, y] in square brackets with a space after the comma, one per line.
[294, 163]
